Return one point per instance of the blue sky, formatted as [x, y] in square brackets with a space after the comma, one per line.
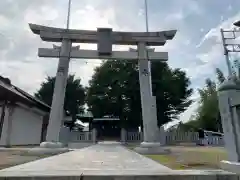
[196, 48]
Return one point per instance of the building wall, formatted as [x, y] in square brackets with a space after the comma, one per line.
[26, 127]
[4, 128]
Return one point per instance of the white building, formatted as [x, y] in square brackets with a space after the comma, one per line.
[23, 119]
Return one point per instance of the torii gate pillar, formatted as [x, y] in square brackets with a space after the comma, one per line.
[57, 113]
[151, 143]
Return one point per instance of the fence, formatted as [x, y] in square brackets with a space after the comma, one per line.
[215, 141]
[66, 136]
[168, 138]
[176, 137]
[134, 136]
[76, 136]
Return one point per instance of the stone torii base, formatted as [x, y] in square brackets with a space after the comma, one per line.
[151, 148]
[155, 147]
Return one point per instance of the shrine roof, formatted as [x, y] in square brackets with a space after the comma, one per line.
[10, 92]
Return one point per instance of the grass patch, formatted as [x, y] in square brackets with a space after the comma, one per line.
[190, 157]
[209, 159]
[167, 160]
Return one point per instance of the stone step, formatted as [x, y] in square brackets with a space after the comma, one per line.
[104, 161]
[119, 175]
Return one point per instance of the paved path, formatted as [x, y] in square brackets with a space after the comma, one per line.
[94, 160]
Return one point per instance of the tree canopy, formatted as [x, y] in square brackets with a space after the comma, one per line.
[114, 90]
[74, 97]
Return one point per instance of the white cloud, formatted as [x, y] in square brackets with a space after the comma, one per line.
[214, 33]
[84, 69]
[210, 49]
[41, 15]
[92, 18]
[4, 21]
[176, 16]
[24, 73]
[229, 8]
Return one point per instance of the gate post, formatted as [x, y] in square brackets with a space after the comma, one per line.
[162, 134]
[64, 135]
[123, 135]
[94, 135]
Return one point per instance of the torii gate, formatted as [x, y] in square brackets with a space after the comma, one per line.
[104, 38]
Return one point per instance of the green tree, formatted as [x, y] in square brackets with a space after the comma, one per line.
[114, 89]
[208, 108]
[74, 97]
[208, 115]
[220, 76]
[191, 125]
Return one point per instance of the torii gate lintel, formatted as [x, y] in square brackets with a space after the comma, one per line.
[52, 34]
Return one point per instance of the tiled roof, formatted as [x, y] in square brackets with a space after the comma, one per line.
[5, 83]
[11, 88]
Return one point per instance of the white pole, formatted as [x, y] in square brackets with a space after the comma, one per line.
[146, 15]
[147, 30]
[69, 12]
[226, 54]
